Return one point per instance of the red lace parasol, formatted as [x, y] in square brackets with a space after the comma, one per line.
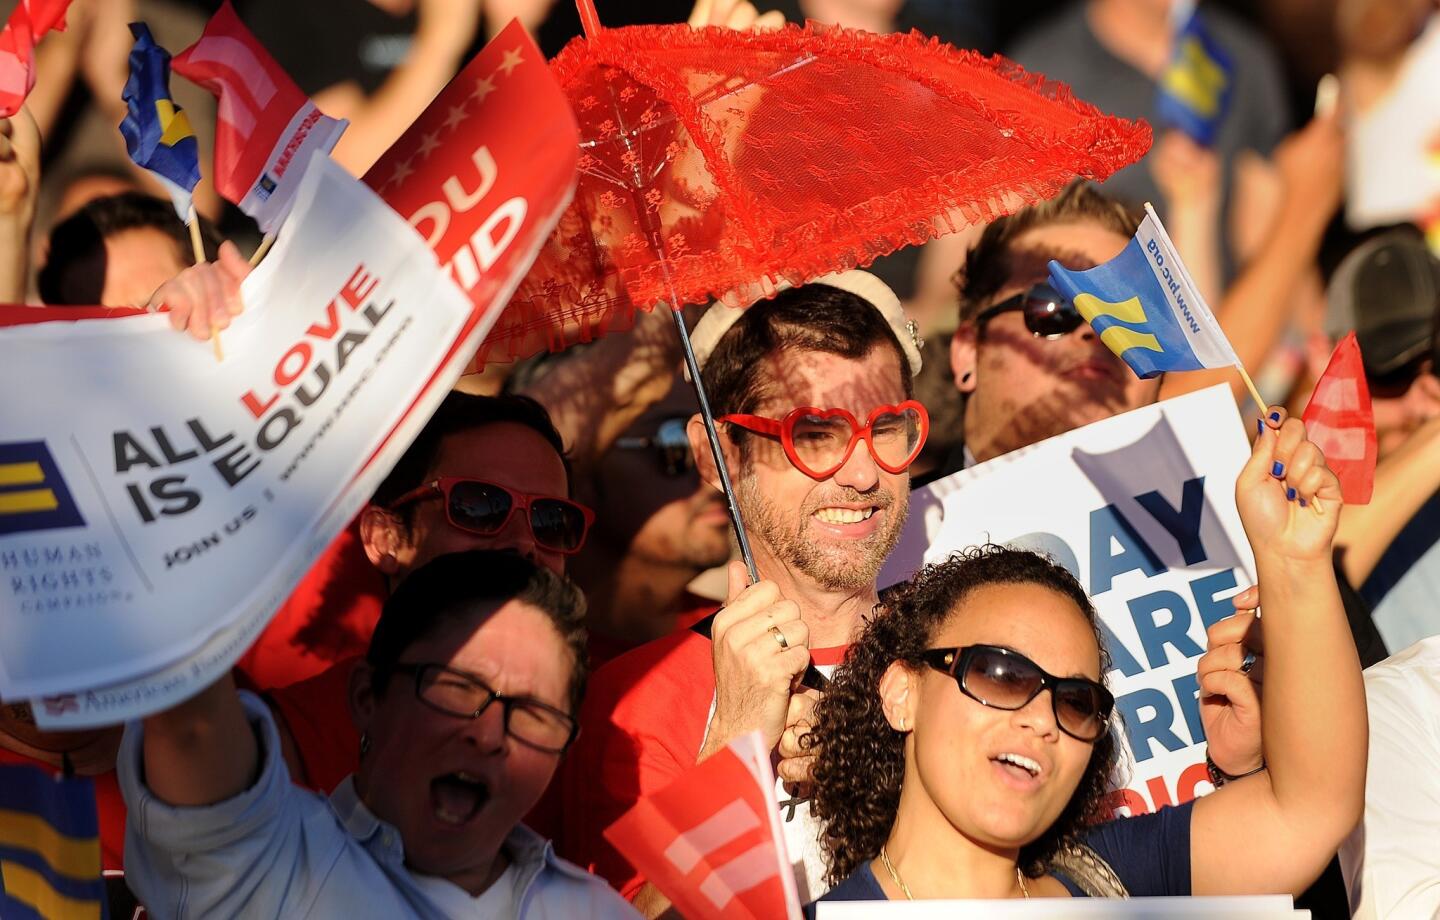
[714, 163]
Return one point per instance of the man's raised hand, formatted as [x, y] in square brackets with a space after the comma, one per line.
[760, 645]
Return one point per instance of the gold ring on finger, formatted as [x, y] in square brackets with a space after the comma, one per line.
[779, 637]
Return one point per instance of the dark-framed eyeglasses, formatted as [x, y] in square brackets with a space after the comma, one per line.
[1048, 313]
[1001, 678]
[482, 507]
[465, 696]
[671, 445]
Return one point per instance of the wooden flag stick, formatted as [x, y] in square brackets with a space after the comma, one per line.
[198, 245]
[1260, 401]
[1250, 385]
[263, 248]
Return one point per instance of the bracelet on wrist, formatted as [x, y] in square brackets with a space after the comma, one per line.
[1219, 777]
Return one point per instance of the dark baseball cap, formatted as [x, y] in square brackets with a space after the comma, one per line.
[1388, 290]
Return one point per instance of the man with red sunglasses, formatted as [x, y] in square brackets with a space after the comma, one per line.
[484, 473]
[813, 395]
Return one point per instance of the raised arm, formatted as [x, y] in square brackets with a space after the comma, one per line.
[202, 751]
[444, 32]
[19, 186]
[1256, 308]
[1275, 831]
[1404, 482]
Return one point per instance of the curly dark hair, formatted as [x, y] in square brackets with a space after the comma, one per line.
[861, 759]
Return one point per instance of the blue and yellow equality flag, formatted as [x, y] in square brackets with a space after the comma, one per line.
[157, 131]
[49, 846]
[1196, 86]
[1145, 307]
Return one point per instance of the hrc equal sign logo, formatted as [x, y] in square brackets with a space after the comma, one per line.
[33, 496]
[725, 882]
[1117, 338]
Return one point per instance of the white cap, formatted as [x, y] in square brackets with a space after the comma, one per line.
[719, 318]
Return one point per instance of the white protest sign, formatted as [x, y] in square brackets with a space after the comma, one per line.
[151, 497]
[1141, 508]
[1265, 907]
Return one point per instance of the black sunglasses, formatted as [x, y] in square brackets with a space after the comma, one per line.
[1004, 679]
[480, 507]
[1048, 313]
[671, 446]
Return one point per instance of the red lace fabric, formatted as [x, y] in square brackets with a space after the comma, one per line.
[715, 163]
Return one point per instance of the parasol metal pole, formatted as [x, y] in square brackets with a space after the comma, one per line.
[589, 19]
[714, 437]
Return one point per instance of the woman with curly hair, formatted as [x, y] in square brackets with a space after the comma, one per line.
[965, 745]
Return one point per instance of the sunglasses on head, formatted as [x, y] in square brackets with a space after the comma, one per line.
[1048, 313]
[481, 507]
[1003, 679]
[671, 445]
[819, 442]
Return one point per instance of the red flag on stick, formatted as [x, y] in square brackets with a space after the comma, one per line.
[711, 841]
[266, 130]
[30, 21]
[1340, 422]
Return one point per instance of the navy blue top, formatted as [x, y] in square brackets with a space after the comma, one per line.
[1149, 853]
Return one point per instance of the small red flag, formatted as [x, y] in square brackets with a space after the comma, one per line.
[1340, 422]
[711, 840]
[28, 23]
[266, 129]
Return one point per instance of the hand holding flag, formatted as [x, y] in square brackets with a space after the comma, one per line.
[711, 840]
[158, 134]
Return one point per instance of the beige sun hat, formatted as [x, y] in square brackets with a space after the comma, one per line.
[719, 318]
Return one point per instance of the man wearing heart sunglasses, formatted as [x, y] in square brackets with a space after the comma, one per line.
[813, 395]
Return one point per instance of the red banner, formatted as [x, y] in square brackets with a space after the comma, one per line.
[471, 194]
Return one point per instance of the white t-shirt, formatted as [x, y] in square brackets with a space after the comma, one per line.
[1392, 860]
[500, 900]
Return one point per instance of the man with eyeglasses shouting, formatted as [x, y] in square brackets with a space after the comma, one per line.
[813, 394]
[465, 702]
[484, 473]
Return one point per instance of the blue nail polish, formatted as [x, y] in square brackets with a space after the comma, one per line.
[1302, 503]
[1259, 426]
[1274, 416]
[1290, 495]
[1277, 470]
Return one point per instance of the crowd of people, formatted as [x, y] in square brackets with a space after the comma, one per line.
[539, 617]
